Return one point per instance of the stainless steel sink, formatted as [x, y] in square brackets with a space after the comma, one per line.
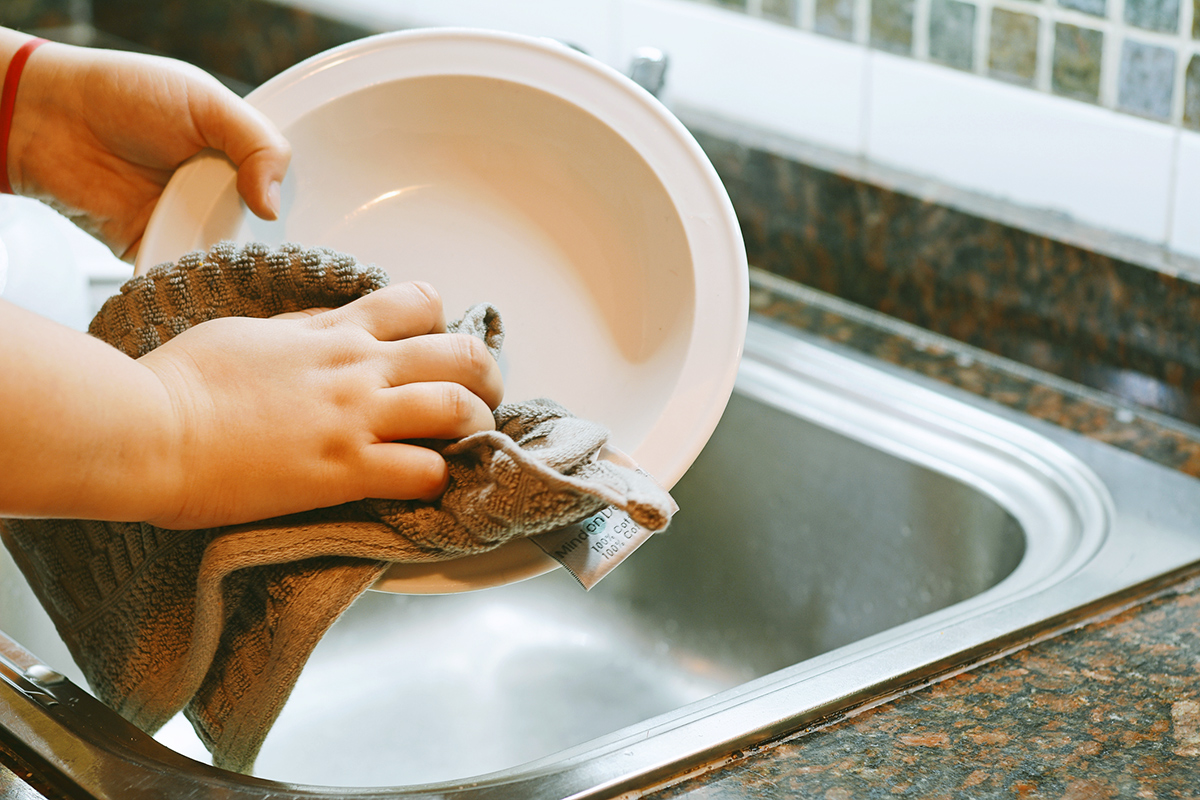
[850, 531]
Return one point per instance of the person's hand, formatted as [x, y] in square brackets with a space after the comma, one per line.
[98, 133]
[238, 419]
[278, 415]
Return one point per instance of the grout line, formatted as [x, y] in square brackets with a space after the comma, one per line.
[922, 13]
[806, 15]
[981, 41]
[1110, 60]
[1172, 187]
[1178, 88]
[1043, 76]
[1185, 47]
[864, 132]
[862, 22]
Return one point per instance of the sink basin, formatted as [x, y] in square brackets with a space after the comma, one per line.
[849, 532]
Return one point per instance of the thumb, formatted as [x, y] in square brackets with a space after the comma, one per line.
[259, 177]
[252, 142]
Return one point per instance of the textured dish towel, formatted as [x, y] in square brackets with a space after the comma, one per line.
[219, 622]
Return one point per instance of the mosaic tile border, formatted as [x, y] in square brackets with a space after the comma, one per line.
[1139, 57]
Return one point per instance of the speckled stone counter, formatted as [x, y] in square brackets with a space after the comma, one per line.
[1099, 415]
[1110, 710]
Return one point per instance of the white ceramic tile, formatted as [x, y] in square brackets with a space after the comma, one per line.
[1185, 222]
[584, 23]
[1098, 166]
[1027, 147]
[749, 70]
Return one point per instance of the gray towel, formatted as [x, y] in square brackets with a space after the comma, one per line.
[219, 622]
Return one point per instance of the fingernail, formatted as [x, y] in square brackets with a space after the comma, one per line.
[274, 202]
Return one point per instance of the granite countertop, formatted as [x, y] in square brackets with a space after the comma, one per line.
[1109, 709]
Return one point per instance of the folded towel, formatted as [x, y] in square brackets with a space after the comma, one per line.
[219, 622]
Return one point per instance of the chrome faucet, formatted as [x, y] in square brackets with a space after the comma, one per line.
[648, 69]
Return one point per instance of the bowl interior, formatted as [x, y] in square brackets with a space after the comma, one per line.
[498, 192]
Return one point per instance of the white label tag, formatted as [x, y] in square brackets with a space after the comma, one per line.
[592, 548]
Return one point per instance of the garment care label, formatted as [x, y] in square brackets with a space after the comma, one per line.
[593, 547]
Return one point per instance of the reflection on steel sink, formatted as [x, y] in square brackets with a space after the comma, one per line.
[849, 531]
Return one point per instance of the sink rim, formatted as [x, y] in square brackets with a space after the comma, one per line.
[819, 385]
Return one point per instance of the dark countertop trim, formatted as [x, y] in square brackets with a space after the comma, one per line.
[1043, 395]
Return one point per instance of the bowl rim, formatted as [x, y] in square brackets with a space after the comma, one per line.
[721, 301]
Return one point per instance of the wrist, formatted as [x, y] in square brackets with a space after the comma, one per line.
[9, 90]
[162, 476]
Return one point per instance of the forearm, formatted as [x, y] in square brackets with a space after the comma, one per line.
[86, 430]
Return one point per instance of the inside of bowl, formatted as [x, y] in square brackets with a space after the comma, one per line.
[497, 192]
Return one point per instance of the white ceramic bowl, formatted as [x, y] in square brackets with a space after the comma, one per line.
[516, 171]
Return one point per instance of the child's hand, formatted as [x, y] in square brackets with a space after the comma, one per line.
[238, 419]
[279, 415]
[98, 133]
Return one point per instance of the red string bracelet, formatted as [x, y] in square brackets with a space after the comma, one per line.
[8, 99]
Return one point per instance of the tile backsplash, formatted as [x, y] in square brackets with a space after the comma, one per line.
[1084, 111]
[1139, 57]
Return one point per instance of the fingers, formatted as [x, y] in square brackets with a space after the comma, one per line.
[434, 386]
[440, 386]
[393, 313]
[398, 471]
[431, 410]
[403, 315]
[453, 358]
[395, 469]
[407, 323]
